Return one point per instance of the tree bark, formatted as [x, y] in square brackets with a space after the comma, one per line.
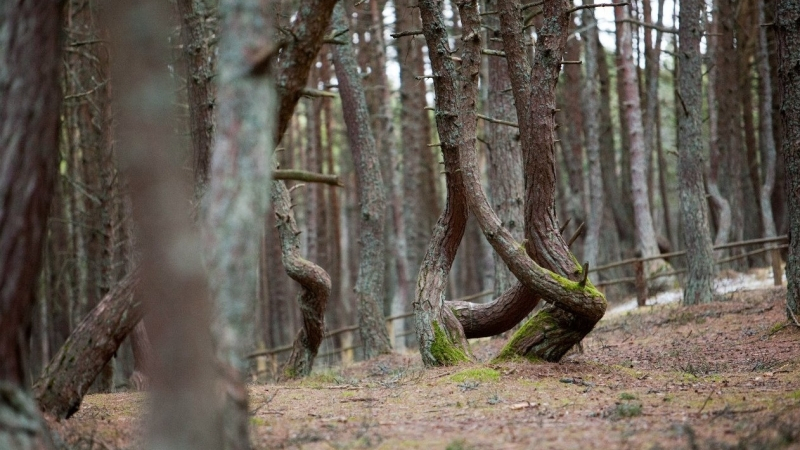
[30, 58]
[88, 349]
[721, 206]
[697, 236]
[787, 17]
[371, 198]
[236, 201]
[314, 282]
[646, 241]
[184, 410]
[198, 34]
[506, 182]
[767, 139]
[591, 105]
[420, 169]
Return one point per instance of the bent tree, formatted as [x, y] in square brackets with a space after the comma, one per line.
[543, 264]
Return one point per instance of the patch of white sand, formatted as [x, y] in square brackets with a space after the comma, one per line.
[754, 279]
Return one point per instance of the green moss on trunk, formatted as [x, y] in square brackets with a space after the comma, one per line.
[443, 350]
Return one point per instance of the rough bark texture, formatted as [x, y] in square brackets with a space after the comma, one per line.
[89, 348]
[315, 287]
[440, 336]
[591, 105]
[574, 307]
[298, 51]
[506, 182]
[787, 16]
[198, 37]
[371, 198]
[184, 407]
[419, 164]
[29, 63]
[698, 288]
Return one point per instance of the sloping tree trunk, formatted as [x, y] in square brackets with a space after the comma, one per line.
[591, 105]
[88, 349]
[184, 407]
[697, 236]
[29, 61]
[787, 16]
[315, 287]
[371, 198]
[646, 241]
[767, 139]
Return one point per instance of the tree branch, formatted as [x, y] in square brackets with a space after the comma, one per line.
[308, 177]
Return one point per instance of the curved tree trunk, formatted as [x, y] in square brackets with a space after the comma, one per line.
[371, 197]
[690, 159]
[88, 349]
[315, 287]
[30, 59]
[788, 31]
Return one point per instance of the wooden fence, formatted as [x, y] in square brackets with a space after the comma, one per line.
[268, 358]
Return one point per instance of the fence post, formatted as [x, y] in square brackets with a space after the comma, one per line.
[390, 330]
[348, 353]
[641, 280]
[777, 271]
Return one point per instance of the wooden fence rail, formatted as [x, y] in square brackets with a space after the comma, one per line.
[348, 348]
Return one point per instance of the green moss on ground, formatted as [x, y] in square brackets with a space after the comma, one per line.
[482, 374]
[443, 350]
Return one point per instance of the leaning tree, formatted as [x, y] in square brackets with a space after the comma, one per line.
[542, 263]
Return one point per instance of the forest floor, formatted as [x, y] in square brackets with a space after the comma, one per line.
[722, 375]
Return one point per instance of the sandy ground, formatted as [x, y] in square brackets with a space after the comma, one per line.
[724, 375]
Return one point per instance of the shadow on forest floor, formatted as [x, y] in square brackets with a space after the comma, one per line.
[723, 375]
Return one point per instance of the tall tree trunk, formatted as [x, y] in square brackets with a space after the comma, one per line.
[729, 118]
[722, 208]
[787, 16]
[237, 200]
[184, 411]
[690, 160]
[646, 241]
[506, 183]
[30, 57]
[371, 198]
[420, 170]
[767, 139]
[198, 30]
[591, 105]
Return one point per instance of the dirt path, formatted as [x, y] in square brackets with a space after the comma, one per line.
[725, 375]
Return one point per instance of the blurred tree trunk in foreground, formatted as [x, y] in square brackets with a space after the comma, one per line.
[184, 411]
[29, 68]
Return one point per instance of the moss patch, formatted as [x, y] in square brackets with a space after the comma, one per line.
[444, 351]
[537, 323]
[482, 374]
